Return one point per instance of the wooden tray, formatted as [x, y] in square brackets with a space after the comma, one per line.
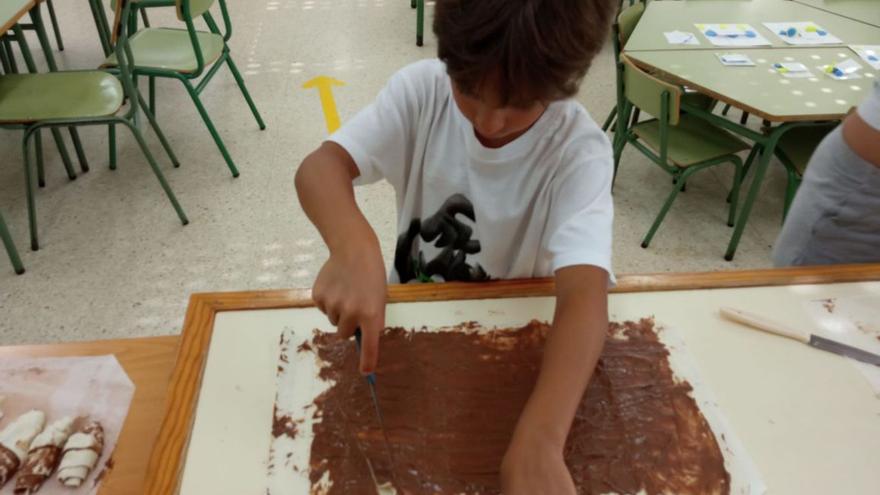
[166, 463]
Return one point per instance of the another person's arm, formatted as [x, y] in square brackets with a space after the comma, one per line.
[534, 461]
[350, 288]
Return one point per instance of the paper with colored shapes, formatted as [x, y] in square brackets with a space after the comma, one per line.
[869, 53]
[848, 69]
[793, 70]
[802, 33]
[732, 35]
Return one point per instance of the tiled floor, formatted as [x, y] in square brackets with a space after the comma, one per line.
[115, 262]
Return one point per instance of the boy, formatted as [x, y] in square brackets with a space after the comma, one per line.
[497, 175]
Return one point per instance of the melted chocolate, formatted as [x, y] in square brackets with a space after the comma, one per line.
[450, 401]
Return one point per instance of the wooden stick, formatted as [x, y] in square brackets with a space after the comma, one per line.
[763, 324]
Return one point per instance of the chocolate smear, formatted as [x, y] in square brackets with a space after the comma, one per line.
[451, 399]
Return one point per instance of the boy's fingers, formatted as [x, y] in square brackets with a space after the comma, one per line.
[346, 327]
[370, 331]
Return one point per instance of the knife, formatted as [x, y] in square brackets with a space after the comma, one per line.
[371, 380]
[816, 341]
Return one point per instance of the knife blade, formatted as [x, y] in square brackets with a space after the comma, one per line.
[822, 343]
[371, 380]
[844, 350]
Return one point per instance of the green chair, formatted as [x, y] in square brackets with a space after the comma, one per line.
[678, 143]
[794, 151]
[31, 102]
[621, 30]
[185, 54]
[10, 247]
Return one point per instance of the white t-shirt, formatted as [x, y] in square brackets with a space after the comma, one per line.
[467, 212]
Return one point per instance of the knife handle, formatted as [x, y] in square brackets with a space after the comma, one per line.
[763, 324]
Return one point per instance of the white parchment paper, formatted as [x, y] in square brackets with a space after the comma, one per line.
[298, 386]
[94, 387]
[853, 320]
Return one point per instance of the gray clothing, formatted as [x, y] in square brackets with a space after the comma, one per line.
[835, 217]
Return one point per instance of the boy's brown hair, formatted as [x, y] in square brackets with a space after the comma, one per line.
[536, 50]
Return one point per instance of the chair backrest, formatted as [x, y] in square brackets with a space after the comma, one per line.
[192, 9]
[627, 21]
[650, 94]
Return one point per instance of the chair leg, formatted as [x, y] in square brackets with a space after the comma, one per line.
[726, 109]
[207, 119]
[635, 117]
[412, 4]
[152, 92]
[245, 92]
[10, 58]
[619, 143]
[41, 172]
[10, 247]
[111, 138]
[4, 60]
[666, 206]
[165, 187]
[161, 135]
[54, 21]
[29, 187]
[144, 18]
[744, 118]
[78, 148]
[609, 121]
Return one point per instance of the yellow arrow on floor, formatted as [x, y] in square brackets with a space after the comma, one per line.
[325, 92]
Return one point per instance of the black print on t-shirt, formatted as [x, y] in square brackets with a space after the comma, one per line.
[446, 232]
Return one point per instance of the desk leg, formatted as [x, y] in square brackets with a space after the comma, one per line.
[757, 182]
[37, 19]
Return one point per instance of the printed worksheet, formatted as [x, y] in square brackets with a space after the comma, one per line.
[802, 33]
[732, 35]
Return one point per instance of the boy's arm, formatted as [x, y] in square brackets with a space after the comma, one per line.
[534, 460]
[350, 288]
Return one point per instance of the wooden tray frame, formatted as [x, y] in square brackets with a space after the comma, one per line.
[166, 462]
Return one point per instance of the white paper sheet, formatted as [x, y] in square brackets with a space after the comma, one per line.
[681, 38]
[732, 35]
[95, 387]
[853, 321]
[297, 387]
[802, 33]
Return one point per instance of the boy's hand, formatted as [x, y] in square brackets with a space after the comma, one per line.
[534, 466]
[350, 290]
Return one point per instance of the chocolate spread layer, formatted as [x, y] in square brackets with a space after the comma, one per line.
[450, 401]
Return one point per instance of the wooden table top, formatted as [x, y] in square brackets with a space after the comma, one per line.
[11, 11]
[660, 17]
[148, 362]
[866, 11]
[760, 90]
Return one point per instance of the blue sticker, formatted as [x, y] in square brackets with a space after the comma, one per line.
[837, 72]
[821, 33]
[710, 32]
[873, 58]
[750, 34]
[791, 32]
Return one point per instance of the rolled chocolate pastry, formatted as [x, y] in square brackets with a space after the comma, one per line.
[15, 440]
[43, 457]
[81, 453]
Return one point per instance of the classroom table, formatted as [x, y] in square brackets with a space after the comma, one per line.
[13, 10]
[866, 11]
[660, 17]
[149, 361]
